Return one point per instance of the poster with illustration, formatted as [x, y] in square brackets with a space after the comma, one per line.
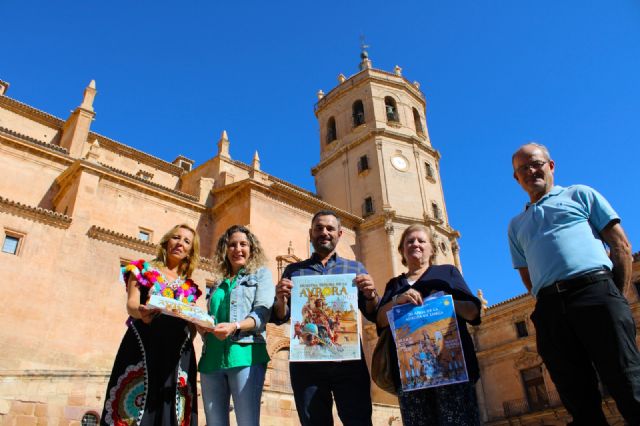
[325, 324]
[428, 344]
[186, 311]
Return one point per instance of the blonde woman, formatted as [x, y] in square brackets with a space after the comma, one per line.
[153, 381]
[234, 358]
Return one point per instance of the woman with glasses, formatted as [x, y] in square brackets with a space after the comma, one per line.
[234, 357]
[453, 404]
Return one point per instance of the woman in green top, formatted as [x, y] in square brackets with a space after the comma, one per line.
[234, 357]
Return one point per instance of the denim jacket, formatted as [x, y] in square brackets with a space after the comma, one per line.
[253, 297]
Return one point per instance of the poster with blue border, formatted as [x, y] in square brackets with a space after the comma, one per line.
[428, 343]
[325, 323]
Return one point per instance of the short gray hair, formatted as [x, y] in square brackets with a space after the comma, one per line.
[541, 147]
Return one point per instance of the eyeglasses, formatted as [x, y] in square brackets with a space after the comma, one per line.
[535, 165]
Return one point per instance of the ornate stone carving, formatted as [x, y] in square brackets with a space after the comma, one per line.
[527, 358]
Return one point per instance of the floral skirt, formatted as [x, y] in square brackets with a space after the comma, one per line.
[153, 381]
[454, 405]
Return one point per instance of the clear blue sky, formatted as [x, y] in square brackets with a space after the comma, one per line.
[172, 75]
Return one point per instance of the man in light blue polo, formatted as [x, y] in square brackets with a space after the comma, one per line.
[581, 317]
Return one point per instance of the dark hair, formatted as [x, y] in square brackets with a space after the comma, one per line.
[325, 213]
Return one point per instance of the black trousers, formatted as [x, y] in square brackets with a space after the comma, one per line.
[316, 384]
[586, 328]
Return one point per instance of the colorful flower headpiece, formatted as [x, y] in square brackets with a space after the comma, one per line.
[147, 276]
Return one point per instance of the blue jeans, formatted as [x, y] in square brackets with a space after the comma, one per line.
[244, 384]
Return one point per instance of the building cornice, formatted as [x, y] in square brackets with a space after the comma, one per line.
[369, 75]
[105, 142]
[508, 304]
[129, 152]
[414, 141]
[150, 183]
[37, 214]
[286, 193]
[272, 178]
[379, 220]
[31, 112]
[118, 176]
[511, 349]
[19, 137]
[313, 204]
[127, 241]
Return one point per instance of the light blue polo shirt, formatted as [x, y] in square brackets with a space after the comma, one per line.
[558, 237]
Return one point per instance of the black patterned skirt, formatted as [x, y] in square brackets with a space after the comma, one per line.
[153, 381]
[450, 405]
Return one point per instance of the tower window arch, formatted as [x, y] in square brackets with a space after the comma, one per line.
[357, 113]
[367, 207]
[391, 109]
[417, 122]
[332, 135]
[428, 169]
[437, 212]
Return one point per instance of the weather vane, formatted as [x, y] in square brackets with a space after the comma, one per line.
[363, 46]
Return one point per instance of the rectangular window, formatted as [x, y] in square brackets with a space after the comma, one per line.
[11, 244]
[428, 168]
[144, 235]
[185, 166]
[521, 329]
[437, 213]
[535, 389]
[367, 207]
[363, 164]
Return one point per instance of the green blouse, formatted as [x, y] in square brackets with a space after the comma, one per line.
[223, 354]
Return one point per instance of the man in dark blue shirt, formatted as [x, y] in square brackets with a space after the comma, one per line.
[316, 384]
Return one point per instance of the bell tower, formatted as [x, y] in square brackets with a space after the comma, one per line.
[377, 162]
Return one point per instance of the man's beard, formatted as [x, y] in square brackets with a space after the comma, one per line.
[324, 248]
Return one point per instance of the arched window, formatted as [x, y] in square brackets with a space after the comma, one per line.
[332, 135]
[428, 169]
[357, 113]
[391, 109]
[367, 207]
[437, 213]
[89, 419]
[417, 122]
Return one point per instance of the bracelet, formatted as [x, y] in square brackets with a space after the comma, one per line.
[238, 327]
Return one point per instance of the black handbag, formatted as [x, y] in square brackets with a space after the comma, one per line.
[384, 363]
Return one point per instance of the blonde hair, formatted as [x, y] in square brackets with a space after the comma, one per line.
[189, 263]
[417, 227]
[257, 258]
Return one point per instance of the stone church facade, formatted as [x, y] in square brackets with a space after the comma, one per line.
[75, 205]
